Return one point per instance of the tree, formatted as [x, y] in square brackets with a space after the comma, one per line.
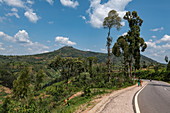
[67, 66]
[39, 79]
[122, 47]
[21, 87]
[137, 43]
[168, 65]
[113, 20]
[91, 60]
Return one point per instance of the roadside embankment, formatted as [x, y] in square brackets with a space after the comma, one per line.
[120, 101]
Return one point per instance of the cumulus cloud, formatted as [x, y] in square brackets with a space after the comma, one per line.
[21, 38]
[50, 2]
[14, 13]
[25, 5]
[98, 11]
[6, 37]
[158, 49]
[32, 16]
[64, 41]
[157, 29]
[69, 3]
[15, 3]
[165, 38]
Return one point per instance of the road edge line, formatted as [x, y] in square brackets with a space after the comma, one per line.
[137, 110]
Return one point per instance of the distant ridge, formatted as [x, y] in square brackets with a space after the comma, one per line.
[69, 51]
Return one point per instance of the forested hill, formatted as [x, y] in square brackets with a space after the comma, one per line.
[67, 51]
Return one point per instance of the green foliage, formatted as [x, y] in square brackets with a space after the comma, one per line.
[136, 43]
[160, 74]
[168, 66]
[6, 77]
[67, 66]
[87, 91]
[21, 86]
[166, 59]
[112, 20]
[25, 106]
[39, 79]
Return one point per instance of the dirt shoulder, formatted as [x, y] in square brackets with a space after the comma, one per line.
[120, 101]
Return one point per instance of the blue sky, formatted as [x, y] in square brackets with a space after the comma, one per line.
[37, 26]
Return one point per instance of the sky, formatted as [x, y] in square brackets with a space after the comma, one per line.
[38, 26]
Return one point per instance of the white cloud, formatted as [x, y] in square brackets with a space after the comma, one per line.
[69, 3]
[15, 3]
[22, 37]
[158, 29]
[98, 11]
[25, 5]
[103, 50]
[50, 2]
[14, 13]
[124, 34]
[158, 49]
[1, 48]
[83, 17]
[64, 41]
[14, 10]
[151, 44]
[6, 37]
[30, 2]
[153, 36]
[165, 38]
[31, 16]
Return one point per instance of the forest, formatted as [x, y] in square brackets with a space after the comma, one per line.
[48, 82]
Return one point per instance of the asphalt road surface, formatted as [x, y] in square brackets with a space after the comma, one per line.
[155, 98]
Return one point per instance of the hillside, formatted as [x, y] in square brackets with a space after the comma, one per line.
[66, 51]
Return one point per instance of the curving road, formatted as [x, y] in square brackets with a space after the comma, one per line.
[155, 98]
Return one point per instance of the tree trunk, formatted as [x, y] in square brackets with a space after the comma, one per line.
[108, 58]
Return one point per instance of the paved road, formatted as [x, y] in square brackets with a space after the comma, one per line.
[155, 98]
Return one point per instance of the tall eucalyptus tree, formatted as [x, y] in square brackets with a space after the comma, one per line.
[112, 20]
[137, 43]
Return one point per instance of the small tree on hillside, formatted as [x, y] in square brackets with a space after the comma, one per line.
[91, 60]
[113, 20]
[39, 79]
[21, 87]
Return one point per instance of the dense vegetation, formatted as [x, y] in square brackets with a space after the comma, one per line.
[48, 82]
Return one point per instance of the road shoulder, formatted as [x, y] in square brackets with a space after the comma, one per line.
[117, 100]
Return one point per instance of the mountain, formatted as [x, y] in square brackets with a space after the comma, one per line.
[68, 51]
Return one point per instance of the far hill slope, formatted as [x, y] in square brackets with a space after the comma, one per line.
[67, 51]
